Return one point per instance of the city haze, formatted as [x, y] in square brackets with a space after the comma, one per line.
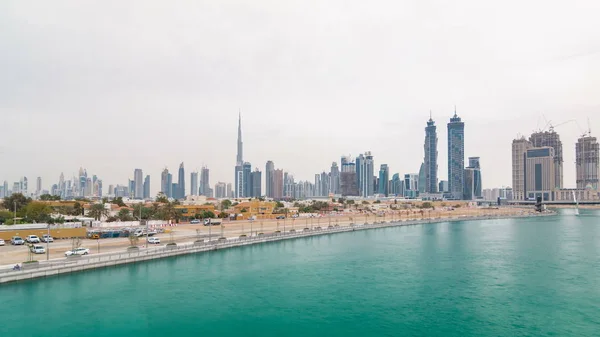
[113, 86]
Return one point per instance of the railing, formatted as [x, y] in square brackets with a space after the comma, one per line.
[179, 249]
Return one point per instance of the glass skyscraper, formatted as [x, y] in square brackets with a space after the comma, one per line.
[456, 157]
[431, 156]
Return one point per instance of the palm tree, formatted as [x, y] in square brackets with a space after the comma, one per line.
[97, 211]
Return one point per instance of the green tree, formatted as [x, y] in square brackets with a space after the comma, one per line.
[204, 214]
[124, 215]
[97, 211]
[119, 201]
[223, 215]
[5, 216]
[77, 209]
[427, 204]
[36, 212]
[279, 204]
[225, 204]
[49, 197]
[161, 198]
[17, 200]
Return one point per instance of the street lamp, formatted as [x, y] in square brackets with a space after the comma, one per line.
[48, 243]
[15, 219]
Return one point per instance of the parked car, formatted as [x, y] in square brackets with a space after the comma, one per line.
[195, 221]
[47, 238]
[38, 249]
[281, 217]
[2, 242]
[32, 239]
[154, 240]
[77, 251]
[17, 241]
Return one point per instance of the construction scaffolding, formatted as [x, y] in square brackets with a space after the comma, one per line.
[551, 139]
[587, 160]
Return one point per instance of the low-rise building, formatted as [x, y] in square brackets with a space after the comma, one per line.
[255, 208]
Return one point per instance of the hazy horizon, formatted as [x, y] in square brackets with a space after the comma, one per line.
[113, 86]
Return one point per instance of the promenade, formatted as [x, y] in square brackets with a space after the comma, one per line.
[74, 264]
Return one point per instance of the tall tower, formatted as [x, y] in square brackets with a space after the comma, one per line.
[240, 144]
[456, 156]
[269, 177]
[431, 155]
[552, 139]
[205, 181]
[587, 161]
[239, 163]
[138, 192]
[194, 183]
[165, 184]
[181, 183]
[519, 149]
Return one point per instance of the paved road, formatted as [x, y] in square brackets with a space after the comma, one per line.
[10, 255]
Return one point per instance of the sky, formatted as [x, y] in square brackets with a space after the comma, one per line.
[117, 85]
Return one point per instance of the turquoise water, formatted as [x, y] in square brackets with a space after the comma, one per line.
[525, 277]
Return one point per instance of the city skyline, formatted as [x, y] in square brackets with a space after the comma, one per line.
[301, 92]
[365, 187]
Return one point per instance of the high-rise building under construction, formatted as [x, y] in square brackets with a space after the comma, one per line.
[551, 139]
[587, 161]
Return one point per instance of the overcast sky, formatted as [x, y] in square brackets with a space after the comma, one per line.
[117, 85]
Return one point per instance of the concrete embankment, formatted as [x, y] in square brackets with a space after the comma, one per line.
[70, 265]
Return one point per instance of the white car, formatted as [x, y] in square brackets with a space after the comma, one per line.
[32, 239]
[2, 243]
[77, 251]
[38, 249]
[47, 238]
[154, 241]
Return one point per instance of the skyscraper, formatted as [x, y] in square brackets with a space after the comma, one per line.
[239, 164]
[396, 185]
[194, 183]
[348, 180]
[229, 191]
[181, 183]
[278, 184]
[269, 172]
[147, 187]
[587, 153]
[334, 178]
[472, 180]
[38, 186]
[256, 183]
[325, 184]
[456, 156]
[239, 181]
[138, 177]
[247, 178]
[519, 151]
[205, 181]
[165, 183]
[431, 154]
[423, 178]
[366, 174]
[539, 173]
[384, 177]
[220, 190]
[552, 139]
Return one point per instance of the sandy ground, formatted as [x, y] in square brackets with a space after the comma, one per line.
[10, 255]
